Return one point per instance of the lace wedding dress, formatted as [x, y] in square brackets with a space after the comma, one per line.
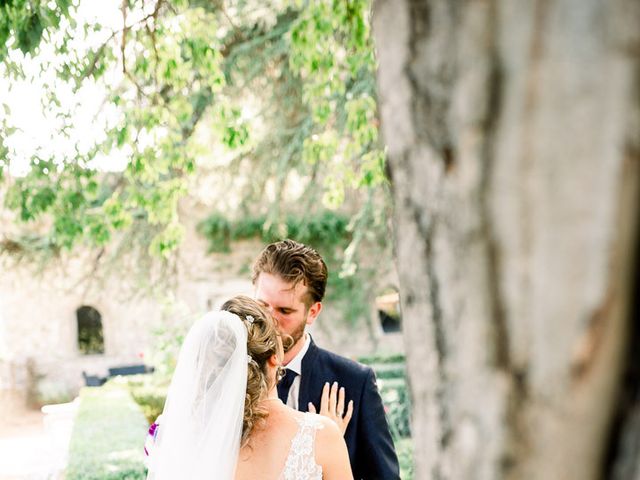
[301, 462]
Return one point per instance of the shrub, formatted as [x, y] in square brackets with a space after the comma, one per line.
[395, 398]
[391, 377]
[382, 359]
[404, 449]
[390, 370]
[148, 391]
[108, 437]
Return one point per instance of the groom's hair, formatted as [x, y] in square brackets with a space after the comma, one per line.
[294, 263]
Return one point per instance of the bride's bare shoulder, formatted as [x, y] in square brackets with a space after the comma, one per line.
[326, 428]
[282, 418]
[331, 450]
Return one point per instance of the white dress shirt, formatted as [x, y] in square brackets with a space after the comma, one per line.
[296, 365]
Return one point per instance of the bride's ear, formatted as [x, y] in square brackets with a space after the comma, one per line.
[273, 361]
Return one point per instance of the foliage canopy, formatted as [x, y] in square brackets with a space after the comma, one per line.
[268, 97]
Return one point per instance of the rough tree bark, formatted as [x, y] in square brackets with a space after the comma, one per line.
[513, 133]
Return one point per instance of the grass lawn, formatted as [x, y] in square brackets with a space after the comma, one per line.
[108, 437]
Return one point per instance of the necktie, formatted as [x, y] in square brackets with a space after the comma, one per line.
[285, 385]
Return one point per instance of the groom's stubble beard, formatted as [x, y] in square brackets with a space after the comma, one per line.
[297, 333]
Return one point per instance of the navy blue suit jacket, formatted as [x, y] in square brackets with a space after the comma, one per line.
[368, 439]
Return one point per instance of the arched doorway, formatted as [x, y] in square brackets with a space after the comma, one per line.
[90, 332]
[388, 307]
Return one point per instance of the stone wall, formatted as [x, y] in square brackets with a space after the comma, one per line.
[39, 356]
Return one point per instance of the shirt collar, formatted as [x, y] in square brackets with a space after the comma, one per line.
[296, 362]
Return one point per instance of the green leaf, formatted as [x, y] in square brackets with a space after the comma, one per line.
[30, 33]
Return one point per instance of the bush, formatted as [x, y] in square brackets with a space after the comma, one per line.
[395, 398]
[148, 391]
[382, 359]
[404, 449]
[392, 382]
[108, 437]
[390, 370]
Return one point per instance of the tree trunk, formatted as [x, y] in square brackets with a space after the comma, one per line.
[513, 134]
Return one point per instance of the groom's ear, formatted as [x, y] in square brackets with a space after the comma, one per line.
[314, 311]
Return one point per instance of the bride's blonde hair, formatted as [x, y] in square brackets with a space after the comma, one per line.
[262, 343]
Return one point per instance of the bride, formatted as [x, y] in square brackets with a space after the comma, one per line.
[223, 419]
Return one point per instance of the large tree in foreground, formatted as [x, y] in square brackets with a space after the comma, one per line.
[513, 133]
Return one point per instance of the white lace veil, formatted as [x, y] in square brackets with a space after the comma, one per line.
[201, 428]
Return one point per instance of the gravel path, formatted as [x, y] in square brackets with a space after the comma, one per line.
[34, 444]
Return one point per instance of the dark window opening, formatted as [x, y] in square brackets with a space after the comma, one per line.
[389, 322]
[388, 306]
[90, 334]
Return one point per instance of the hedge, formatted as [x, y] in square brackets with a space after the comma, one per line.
[391, 376]
[149, 391]
[382, 358]
[108, 437]
[404, 449]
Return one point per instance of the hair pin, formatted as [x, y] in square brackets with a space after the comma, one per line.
[250, 319]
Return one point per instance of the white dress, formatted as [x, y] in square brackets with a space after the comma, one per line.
[301, 461]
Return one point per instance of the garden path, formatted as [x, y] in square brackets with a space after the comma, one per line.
[34, 443]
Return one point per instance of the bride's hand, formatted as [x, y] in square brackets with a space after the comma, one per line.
[332, 406]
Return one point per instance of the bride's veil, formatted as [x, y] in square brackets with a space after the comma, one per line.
[200, 432]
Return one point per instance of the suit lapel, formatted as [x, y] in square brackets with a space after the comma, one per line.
[308, 365]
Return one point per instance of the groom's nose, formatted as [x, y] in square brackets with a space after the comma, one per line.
[272, 312]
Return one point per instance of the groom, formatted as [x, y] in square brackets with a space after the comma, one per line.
[290, 280]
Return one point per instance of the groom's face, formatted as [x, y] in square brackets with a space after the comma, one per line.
[286, 303]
